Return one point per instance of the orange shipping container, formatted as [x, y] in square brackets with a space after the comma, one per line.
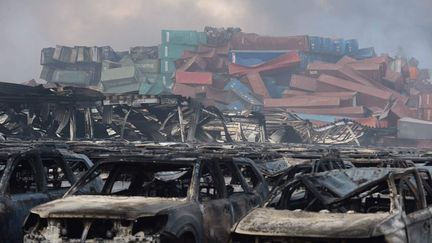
[413, 73]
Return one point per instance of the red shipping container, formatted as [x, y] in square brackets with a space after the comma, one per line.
[303, 83]
[288, 60]
[425, 101]
[304, 101]
[250, 41]
[201, 78]
[257, 84]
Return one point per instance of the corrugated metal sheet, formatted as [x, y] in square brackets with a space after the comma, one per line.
[202, 78]
[183, 37]
[248, 41]
[303, 102]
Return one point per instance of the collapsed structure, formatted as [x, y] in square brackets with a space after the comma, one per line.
[322, 80]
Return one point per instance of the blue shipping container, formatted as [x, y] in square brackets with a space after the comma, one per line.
[352, 47]
[365, 53]
[242, 91]
[253, 58]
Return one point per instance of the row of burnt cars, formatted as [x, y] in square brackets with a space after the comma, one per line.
[114, 191]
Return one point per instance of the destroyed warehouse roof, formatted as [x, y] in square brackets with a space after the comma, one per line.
[10, 92]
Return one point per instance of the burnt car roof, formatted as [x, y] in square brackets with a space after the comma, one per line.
[344, 182]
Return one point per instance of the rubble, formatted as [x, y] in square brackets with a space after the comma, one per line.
[237, 71]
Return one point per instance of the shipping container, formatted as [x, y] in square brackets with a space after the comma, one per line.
[118, 76]
[183, 37]
[410, 128]
[78, 78]
[107, 53]
[47, 73]
[198, 78]
[167, 66]
[147, 77]
[126, 61]
[154, 88]
[167, 80]
[106, 64]
[249, 41]
[243, 92]
[251, 58]
[352, 47]
[340, 47]
[148, 65]
[307, 58]
[47, 56]
[365, 53]
[124, 88]
[174, 51]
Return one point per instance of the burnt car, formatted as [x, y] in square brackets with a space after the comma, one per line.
[349, 205]
[32, 176]
[149, 199]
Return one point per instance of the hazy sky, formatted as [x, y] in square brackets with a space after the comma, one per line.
[26, 26]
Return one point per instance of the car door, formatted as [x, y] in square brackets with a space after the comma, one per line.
[58, 176]
[256, 186]
[215, 205]
[24, 189]
[239, 195]
[418, 216]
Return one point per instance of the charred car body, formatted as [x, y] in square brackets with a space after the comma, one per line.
[32, 176]
[152, 200]
[351, 205]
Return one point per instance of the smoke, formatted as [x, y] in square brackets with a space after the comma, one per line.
[27, 26]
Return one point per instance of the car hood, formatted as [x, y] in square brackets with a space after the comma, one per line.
[272, 222]
[106, 207]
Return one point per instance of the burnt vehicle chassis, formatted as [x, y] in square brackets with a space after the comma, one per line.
[32, 175]
[352, 205]
[204, 201]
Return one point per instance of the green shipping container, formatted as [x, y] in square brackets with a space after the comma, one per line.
[117, 77]
[167, 81]
[148, 65]
[183, 37]
[147, 77]
[126, 88]
[174, 51]
[167, 66]
[80, 78]
[155, 88]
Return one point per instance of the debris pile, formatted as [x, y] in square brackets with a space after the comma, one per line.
[323, 80]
